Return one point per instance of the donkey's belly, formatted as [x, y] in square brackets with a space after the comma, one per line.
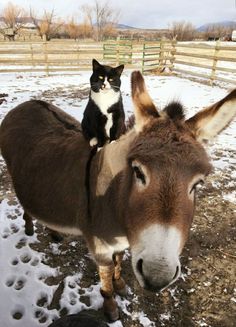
[72, 230]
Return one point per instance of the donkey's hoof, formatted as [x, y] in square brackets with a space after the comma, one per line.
[120, 287]
[56, 237]
[29, 231]
[110, 309]
[112, 315]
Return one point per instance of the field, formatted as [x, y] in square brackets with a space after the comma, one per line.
[42, 280]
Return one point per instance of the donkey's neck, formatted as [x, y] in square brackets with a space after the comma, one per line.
[106, 195]
[111, 160]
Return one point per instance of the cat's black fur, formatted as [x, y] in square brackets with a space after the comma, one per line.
[102, 103]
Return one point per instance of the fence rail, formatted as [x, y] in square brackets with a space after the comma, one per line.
[216, 62]
[212, 62]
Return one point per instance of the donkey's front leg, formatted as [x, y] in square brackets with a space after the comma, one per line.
[109, 305]
[118, 282]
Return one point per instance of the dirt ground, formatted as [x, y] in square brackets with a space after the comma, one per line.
[205, 296]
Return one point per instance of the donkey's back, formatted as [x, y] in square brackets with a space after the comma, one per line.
[46, 156]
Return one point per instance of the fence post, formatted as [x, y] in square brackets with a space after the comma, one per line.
[143, 58]
[118, 52]
[173, 52]
[214, 63]
[131, 54]
[161, 55]
[45, 50]
[32, 54]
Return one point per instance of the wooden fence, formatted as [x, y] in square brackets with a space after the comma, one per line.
[48, 57]
[150, 56]
[216, 62]
[74, 56]
[211, 62]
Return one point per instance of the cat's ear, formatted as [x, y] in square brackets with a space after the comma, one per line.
[119, 69]
[96, 64]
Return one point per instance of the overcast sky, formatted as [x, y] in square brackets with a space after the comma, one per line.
[146, 13]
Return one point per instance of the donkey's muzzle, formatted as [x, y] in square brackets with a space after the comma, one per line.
[155, 279]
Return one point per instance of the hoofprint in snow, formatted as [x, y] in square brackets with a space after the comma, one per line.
[24, 293]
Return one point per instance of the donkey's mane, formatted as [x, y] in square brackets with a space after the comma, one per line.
[175, 110]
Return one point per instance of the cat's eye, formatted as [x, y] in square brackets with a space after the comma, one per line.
[110, 80]
[100, 77]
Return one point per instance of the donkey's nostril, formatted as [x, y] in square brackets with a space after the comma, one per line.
[140, 266]
[176, 273]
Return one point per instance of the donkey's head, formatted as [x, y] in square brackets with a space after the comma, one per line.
[166, 163]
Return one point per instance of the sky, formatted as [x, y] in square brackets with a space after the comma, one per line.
[145, 14]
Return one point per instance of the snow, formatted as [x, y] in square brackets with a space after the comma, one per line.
[22, 273]
[23, 270]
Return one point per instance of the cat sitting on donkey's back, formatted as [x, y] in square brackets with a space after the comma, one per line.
[104, 118]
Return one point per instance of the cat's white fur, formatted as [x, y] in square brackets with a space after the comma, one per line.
[104, 99]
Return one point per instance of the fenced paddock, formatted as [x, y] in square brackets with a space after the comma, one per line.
[213, 61]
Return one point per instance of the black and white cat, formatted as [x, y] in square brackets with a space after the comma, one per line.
[104, 118]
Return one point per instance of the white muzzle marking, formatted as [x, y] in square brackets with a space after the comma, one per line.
[155, 256]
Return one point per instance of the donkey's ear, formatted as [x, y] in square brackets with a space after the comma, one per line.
[206, 124]
[144, 107]
[96, 64]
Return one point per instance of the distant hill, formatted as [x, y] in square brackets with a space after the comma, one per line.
[229, 23]
[124, 27]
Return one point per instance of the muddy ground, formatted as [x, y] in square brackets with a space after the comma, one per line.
[205, 296]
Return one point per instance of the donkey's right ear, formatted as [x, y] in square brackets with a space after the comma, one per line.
[96, 64]
[144, 106]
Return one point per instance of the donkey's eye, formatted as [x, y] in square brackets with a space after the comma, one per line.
[195, 186]
[139, 175]
[100, 77]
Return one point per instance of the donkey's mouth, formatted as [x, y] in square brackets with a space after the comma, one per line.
[160, 286]
[157, 277]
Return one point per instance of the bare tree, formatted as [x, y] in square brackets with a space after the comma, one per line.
[85, 29]
[76, 30]
[13, 19]
[47, 25]
[101, 17]
[217, 31]
[182, 31]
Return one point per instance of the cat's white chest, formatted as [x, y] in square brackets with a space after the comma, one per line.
[104, 100]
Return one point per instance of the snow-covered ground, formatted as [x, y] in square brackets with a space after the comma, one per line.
[22, 270]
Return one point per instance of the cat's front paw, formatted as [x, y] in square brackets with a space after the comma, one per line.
[93, 141]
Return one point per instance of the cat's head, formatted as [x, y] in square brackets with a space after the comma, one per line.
[105, 78]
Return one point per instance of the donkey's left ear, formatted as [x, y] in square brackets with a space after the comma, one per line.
[206, 124]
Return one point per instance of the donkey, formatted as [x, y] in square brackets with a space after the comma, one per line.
[137, 192]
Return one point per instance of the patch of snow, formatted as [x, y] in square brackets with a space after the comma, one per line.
[22, 274]
[55, 248]
[143, 319]
[231, 197]
[165, 316]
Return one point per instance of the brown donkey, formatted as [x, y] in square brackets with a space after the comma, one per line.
[137, 192]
